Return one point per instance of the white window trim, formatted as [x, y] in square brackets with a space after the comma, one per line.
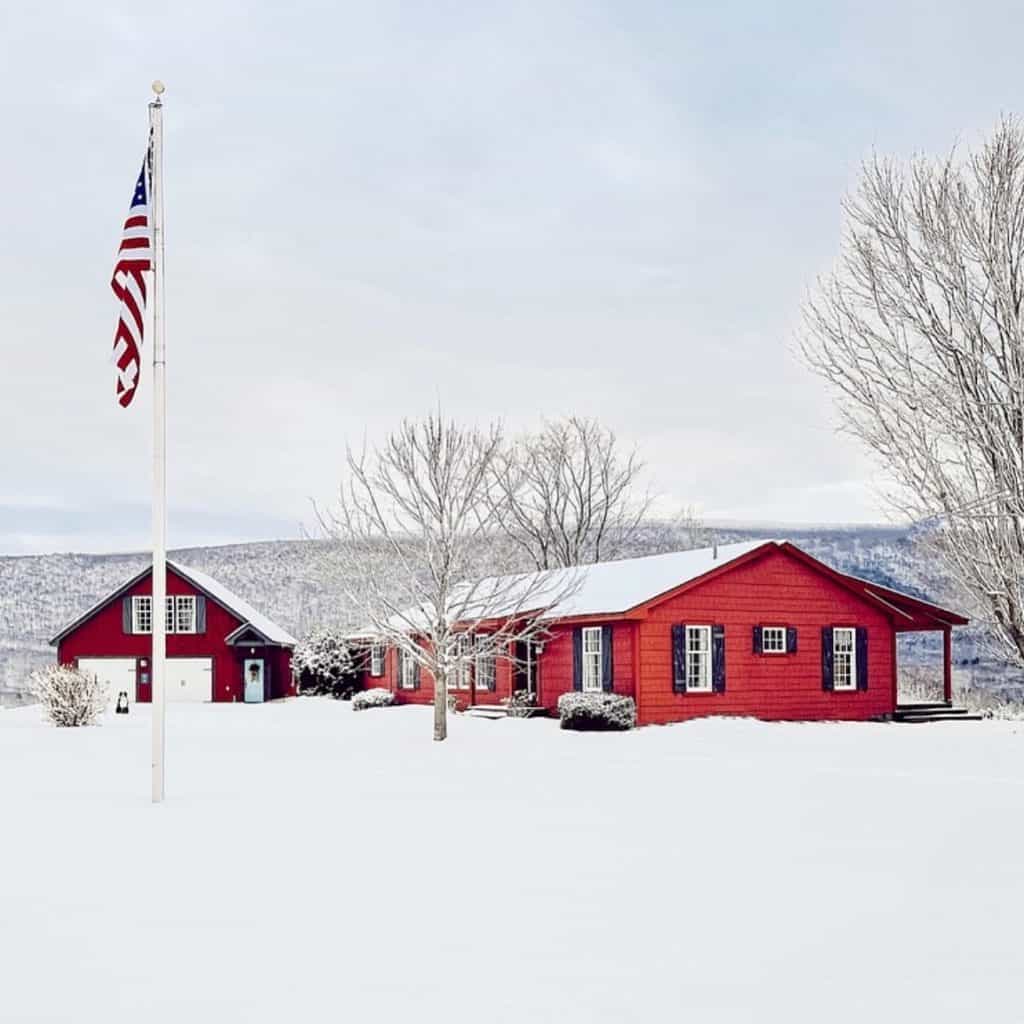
[183, 601]
[138, 604]
[465, 660]
[850, 631]
[592, 660]
[406, 670]
[376, 659]
[704, 684]
[485, 664]
[781, 632]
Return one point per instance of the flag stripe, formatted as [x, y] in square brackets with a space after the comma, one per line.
[134, 258]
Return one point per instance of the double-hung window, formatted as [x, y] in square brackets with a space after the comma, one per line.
[406, 670]
[464, 657]
[142, 615]
[377, 660]
[698, 659]
[773, 639]
[592, 658]
[184, 613]
[485, 664]
[844, 658]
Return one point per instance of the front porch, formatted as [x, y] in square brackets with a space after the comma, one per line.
[930, 699]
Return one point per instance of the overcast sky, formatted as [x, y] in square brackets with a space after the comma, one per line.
[516, 210]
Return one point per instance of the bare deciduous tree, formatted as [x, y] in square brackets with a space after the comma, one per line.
[919, 332]
[568, 494]
[414, 528]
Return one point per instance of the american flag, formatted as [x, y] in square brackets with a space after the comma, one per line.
[134, 258]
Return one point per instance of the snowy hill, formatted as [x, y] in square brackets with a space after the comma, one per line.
[297, 584]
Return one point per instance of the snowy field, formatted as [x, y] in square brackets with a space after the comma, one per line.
[313, 864]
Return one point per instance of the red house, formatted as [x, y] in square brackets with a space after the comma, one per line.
[759, 629]
[219, 648]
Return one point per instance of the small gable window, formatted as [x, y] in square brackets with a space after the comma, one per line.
[773, 639]
[142, 615]
[184, 613]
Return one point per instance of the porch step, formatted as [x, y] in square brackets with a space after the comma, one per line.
[500, 711]
[486, 711]
[912, 713]
[925, 705]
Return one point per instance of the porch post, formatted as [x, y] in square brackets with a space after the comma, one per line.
[947, 665]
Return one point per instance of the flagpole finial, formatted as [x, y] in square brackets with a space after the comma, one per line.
[158, 88]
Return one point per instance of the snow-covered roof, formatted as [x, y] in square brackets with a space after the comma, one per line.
[273, 632]
[242, 609]
[608, 588]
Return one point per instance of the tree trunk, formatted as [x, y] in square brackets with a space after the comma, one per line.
[440, 707]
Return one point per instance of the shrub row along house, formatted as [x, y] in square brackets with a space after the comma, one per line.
[219, 648]
[759, 629]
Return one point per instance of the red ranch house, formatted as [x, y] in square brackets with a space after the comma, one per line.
[759, 629]
[219, 647]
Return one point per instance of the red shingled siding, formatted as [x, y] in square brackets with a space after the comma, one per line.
[102, 636]
[504, 672]
[555, 663]
[773, 590]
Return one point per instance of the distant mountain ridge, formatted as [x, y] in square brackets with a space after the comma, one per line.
[297, 583]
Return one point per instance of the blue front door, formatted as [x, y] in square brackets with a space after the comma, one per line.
[254, 674]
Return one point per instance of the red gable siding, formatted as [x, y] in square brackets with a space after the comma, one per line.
[102, 636]
[773, 590]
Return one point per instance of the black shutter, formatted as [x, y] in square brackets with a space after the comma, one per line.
[758, 644]
[679, 659]
[718, 659]
[577, 658]
[200, 613]
[862, 658]
[826, 658]
[415, 675]
[791, 639]
[607, 664]
[268, 689]
[126, 614]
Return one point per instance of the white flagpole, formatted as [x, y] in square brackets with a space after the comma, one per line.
[159, 660]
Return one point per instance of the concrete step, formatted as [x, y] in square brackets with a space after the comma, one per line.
[945, 709]
[938, 715]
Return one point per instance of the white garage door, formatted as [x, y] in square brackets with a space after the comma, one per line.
[117, 673]
[190, 679]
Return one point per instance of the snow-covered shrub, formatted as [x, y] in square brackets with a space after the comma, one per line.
[326, 664]
[596, 711]
[69, 697]
[377, 697]
[520, 705]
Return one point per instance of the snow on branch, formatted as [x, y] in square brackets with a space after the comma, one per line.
[919, 332]
[417, 534]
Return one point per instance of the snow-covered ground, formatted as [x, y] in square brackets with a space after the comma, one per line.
[315, 864]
